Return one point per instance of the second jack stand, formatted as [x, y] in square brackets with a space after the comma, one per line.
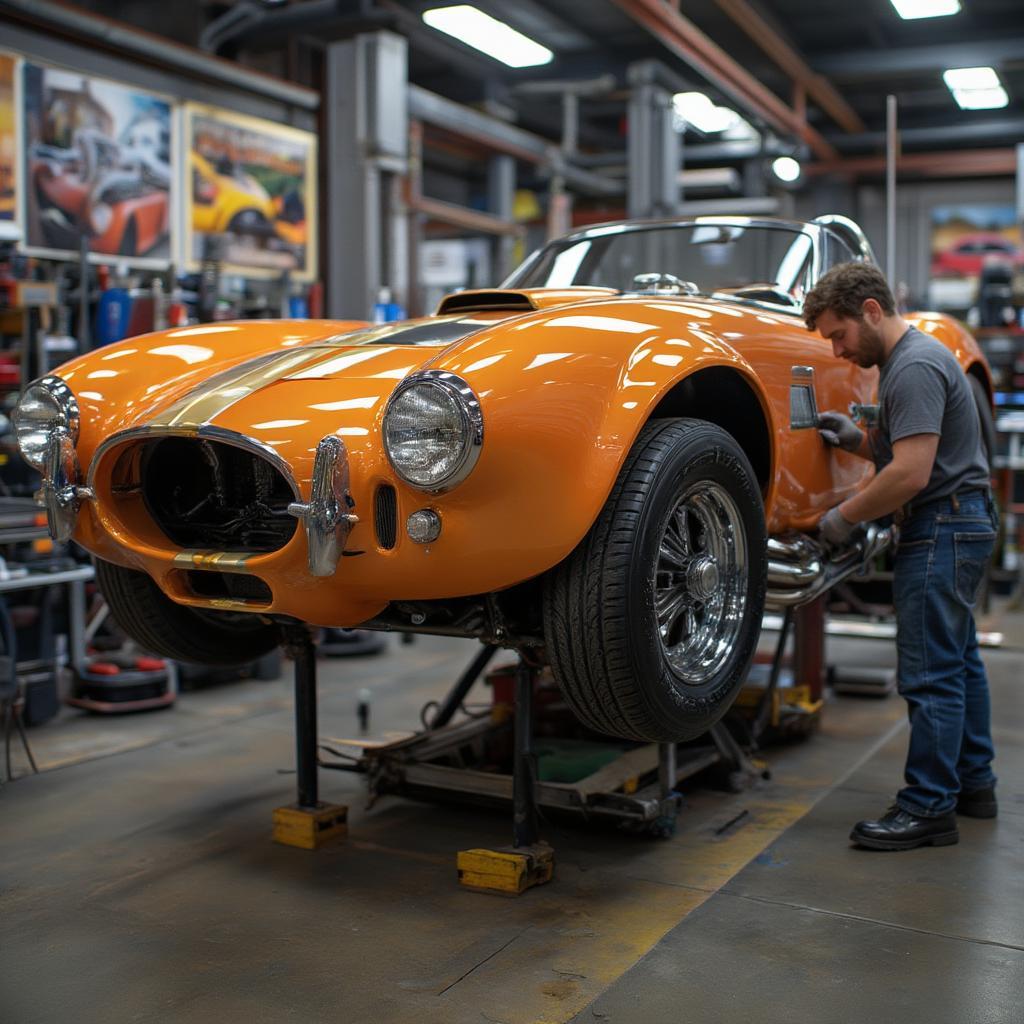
[308, 823]
[512, 870]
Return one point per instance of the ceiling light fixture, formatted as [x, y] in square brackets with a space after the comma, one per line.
[473, 27]
[785, 168]
[981, 99]
[911, 9]
[697, 109]
[976, 88]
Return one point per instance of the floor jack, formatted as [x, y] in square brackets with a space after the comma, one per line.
[636, 789]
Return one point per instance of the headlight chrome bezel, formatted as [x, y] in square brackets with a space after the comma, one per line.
[56, 390]
[468, 405]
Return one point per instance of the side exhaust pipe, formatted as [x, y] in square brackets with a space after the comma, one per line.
[800, 568]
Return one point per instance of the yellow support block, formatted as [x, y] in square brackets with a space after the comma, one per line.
[310, 829]
[506, 872]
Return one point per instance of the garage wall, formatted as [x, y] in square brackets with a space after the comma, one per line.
[914, 204]
[89, 60]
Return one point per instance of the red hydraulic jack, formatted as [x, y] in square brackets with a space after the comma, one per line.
[791, 705]
[307, 823]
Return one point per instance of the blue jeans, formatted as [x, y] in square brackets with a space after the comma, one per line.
[940, 562]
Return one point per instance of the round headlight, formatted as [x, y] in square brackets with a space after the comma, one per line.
[433, 430]
[46, 406]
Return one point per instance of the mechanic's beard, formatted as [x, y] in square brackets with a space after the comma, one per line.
[871, 347]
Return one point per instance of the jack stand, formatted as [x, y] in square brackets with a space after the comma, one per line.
[510, 871]
[307, 823]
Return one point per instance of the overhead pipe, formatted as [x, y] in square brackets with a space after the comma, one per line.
[947, 164]
[505, 138]
[156, 50]
[691, 45]
[790, 61]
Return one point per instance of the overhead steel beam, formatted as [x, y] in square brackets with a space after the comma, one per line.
[899, 60]
[684, 39]
[949, 164]
[700, 152]
[155, 49]
[504, 138]
[787, 58]
[996, 130]
[463, 217]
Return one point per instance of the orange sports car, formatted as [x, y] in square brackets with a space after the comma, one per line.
[612, 460]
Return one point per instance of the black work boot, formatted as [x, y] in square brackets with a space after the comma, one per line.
[978, 803]
[899, 830]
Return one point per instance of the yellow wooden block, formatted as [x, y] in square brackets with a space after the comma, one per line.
[506, 872]
[310, 829]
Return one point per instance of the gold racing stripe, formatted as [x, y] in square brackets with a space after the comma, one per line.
[211, 398]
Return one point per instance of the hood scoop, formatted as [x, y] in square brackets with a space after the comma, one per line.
[486, 301]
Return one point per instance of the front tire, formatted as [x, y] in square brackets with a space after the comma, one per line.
[175, 631]
[651, 623]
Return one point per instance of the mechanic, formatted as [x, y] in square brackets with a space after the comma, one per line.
[933, 479]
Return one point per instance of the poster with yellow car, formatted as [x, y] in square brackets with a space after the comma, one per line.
[251, 193]
[8, 138]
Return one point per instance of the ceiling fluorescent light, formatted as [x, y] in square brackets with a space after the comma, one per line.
[697, 109]
[473, 27]
[981, 99]
[786, 169]
[976, 88]
[971, 78]
[911, 9]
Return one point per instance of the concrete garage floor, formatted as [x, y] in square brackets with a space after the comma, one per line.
[139, 882]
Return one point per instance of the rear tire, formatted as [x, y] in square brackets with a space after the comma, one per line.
[651, 623]
[175, 631]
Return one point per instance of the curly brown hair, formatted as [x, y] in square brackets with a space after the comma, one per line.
[843, 290]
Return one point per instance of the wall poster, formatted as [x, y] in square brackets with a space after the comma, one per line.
[251, 193]
[8, 138]
[98, 162]
[968, 239]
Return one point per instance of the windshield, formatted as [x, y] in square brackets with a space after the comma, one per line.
[771, 264]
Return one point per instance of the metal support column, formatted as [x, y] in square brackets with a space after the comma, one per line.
[299, 645]
[366, 142]
[307, 823]
[655, 150]
[1020, 185]
[524, 766]
[501, 193]
[809, 647]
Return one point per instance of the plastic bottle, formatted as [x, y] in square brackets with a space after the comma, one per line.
[385, 311]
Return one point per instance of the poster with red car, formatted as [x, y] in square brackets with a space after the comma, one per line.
[98, 164]
[8, 138]
[972, 243]
[251, 198]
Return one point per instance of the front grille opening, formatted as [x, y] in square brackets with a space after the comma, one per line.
[385, 516]
[209, 495]
[233, 586]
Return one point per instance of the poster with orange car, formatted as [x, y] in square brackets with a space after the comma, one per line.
[8, 138]
[251, 199]
[98, 165]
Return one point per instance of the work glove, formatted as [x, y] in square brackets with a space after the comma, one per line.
[840, 431]
[835, 529]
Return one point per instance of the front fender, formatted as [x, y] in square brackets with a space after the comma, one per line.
[564, 397]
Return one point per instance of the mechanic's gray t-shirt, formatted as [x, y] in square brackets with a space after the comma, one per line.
[923, 390]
